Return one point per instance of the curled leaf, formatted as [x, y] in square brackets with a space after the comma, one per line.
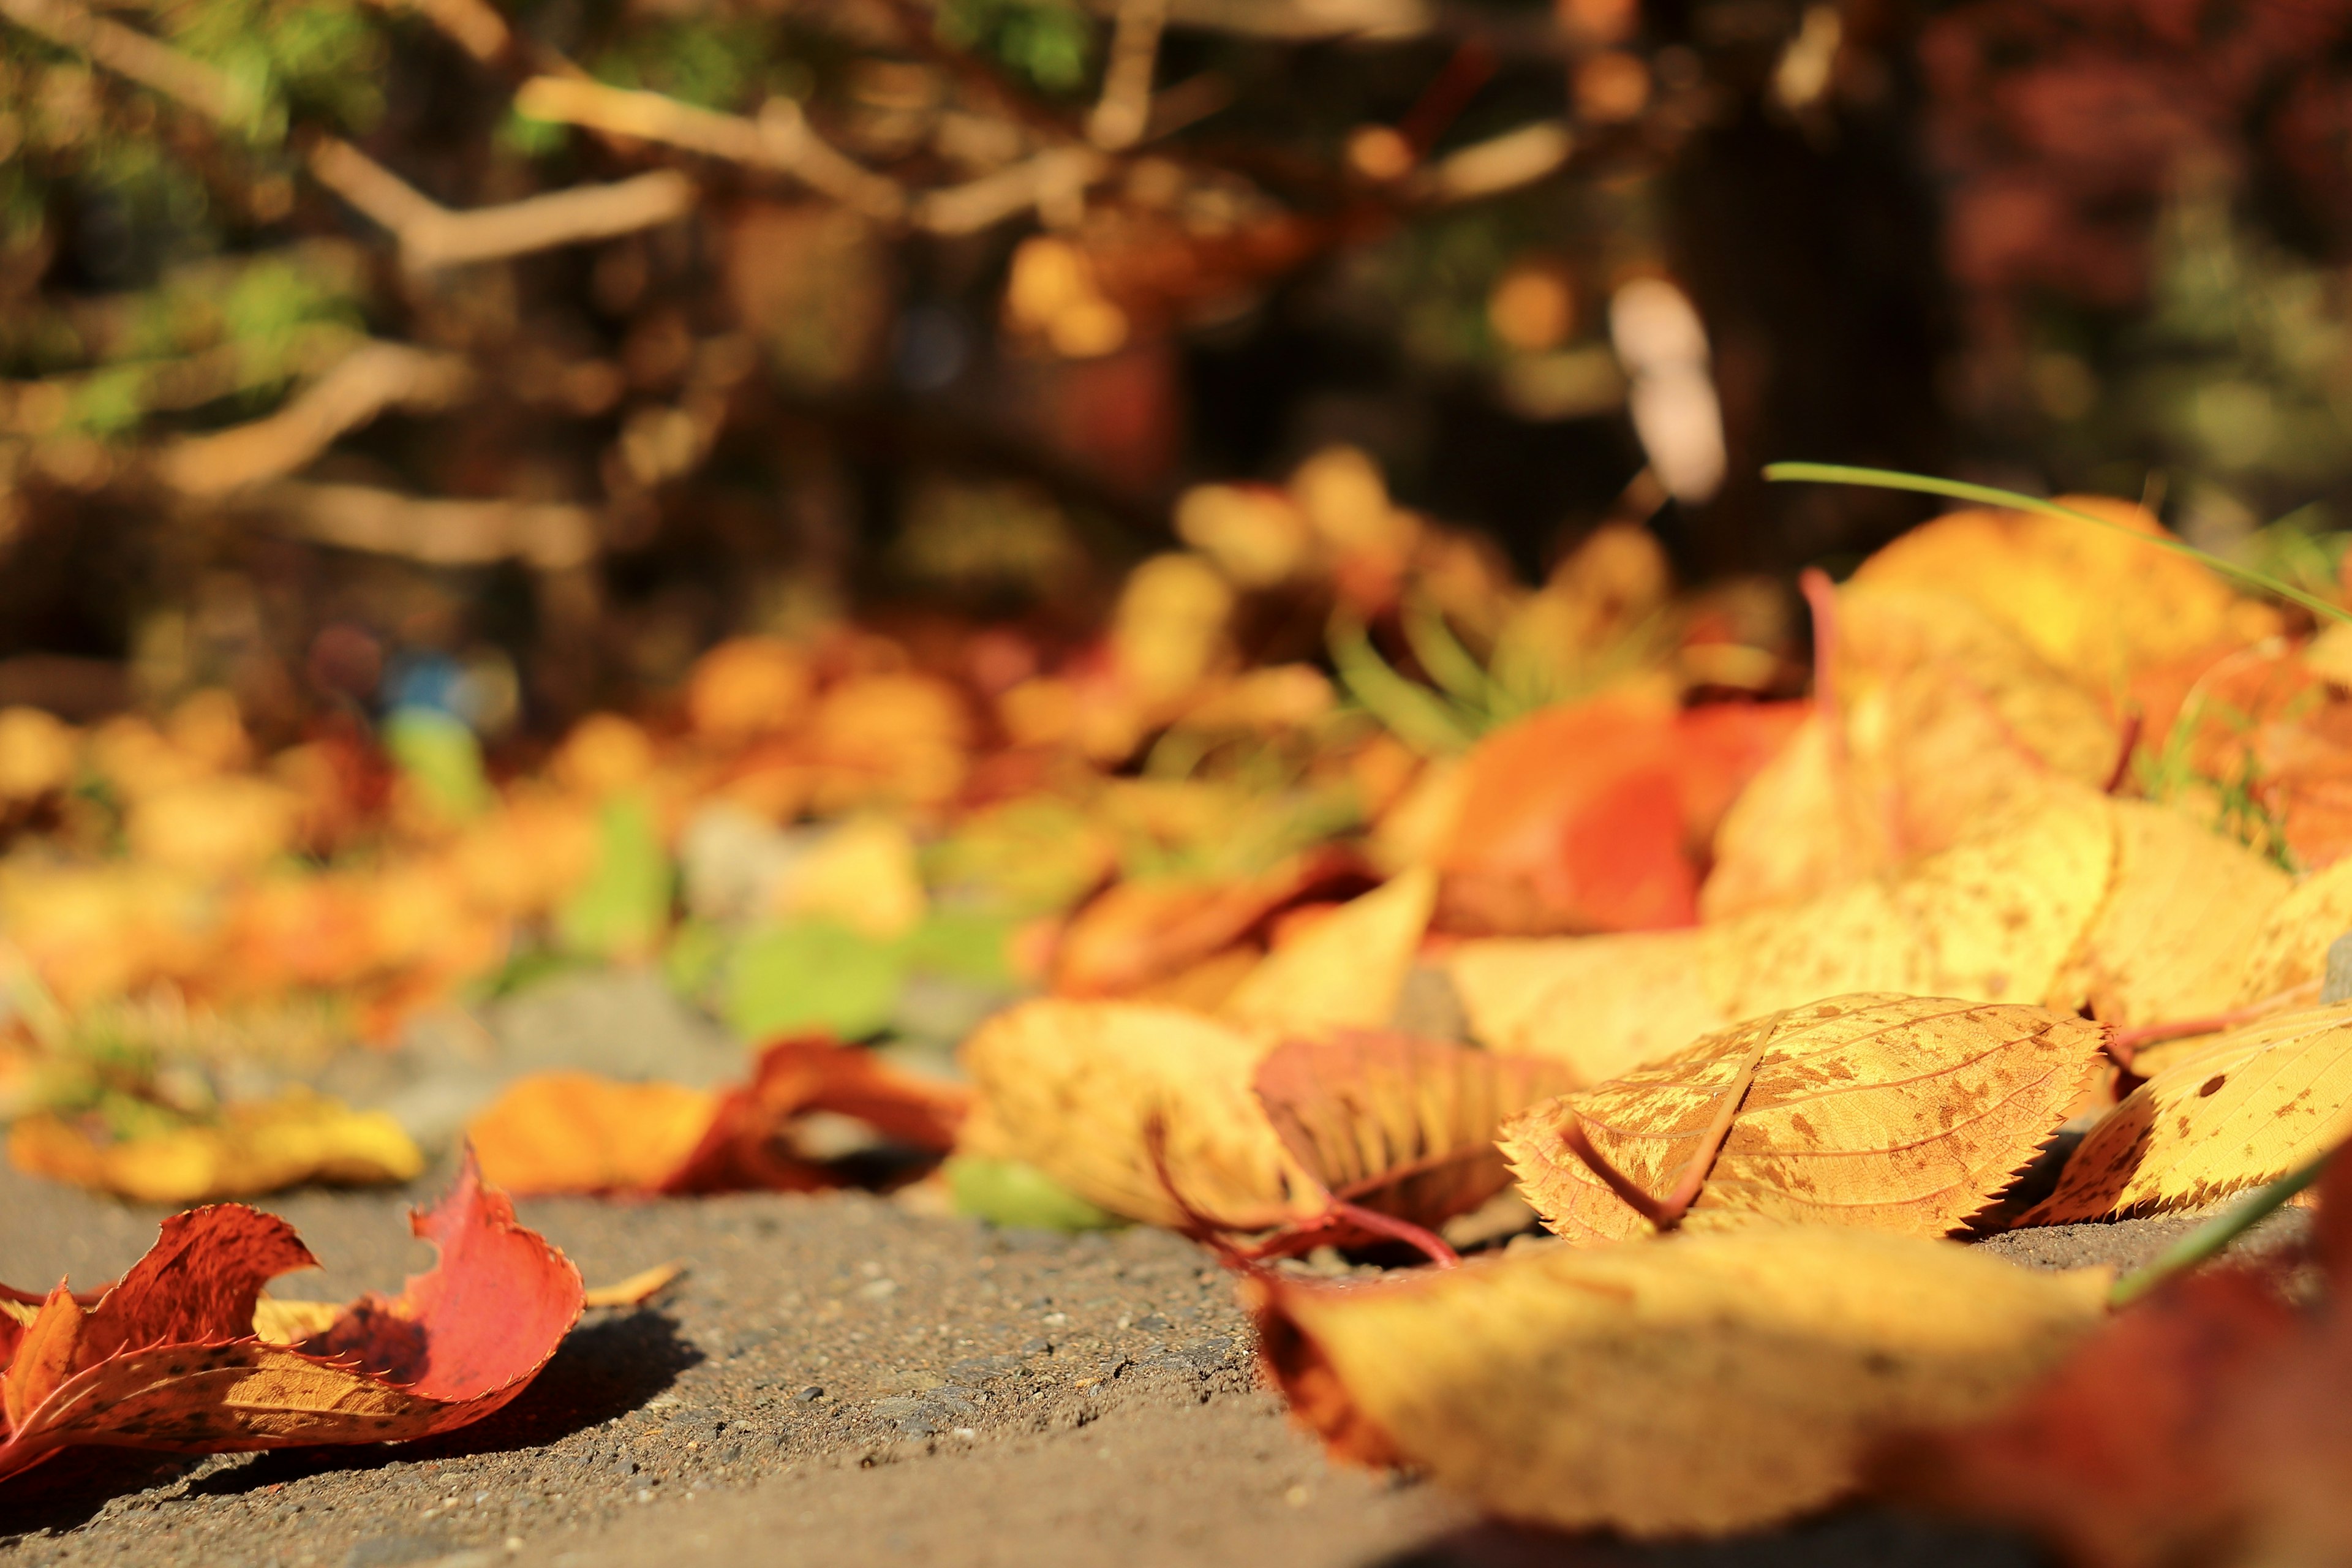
[2249, 1107]
[169, 1357]
[1347, 969]
[1401, 1126]
[1897, 1113]
[1698, 1386]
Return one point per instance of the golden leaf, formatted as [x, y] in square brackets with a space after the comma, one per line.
[2185, 905]
[579, 1132]
[2290, 949]
[1895, 1113]
[1345, 971]
[257, 1148]
[2255, 1103]
[1598, 1004]
[2096, 603]
[1397, 1124]
[1070, 1087]
[1697, 1386]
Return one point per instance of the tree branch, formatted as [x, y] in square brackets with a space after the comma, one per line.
[378, 377]
[148, 61]
[1125, 110]
[545, 536]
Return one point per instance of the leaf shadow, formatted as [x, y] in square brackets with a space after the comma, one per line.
[603, 1369]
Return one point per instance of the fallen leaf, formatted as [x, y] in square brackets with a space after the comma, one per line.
[2253, 1104]
[1349, 968]
[1598, 1004]
[2097, 604]
[2290, 948]
[1897, 1113]
[1071, 1087]
[579, 1132]
[280, 1321]
[255, 1147]
[1401, 1126]
[168, 1357]
[2205, 1425]
[2185, 904]
[637, 1290]
[1017, 1195]
[1698, 1386]
[571, 1132]
[1145, 928]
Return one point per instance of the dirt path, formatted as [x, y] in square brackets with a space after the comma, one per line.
[839, 1377]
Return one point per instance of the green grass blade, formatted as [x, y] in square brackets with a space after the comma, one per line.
[1990, 495]
[1442, 654]
[2216, 1233]
[1416, 714]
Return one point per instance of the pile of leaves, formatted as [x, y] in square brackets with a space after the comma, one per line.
[1763, 1005]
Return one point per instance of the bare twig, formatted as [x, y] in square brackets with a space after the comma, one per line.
[147, 61]
[380, 376]
[1668, 1213]
[546, 537]
[1501, 163]
[474, 25]
[1125, 108]
[1035, 182]
[779, 139]
[431, 235]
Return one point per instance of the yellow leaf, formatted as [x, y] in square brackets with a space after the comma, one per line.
[2252, 1105]
[637, 1290]
[2098, 604]
[1345, 971]
[1696, 1386]
[295, 1138]
[863, 874]
[2168, 943]
[580, 1132]
[2291, 947]
[1895, 1113]
[1070, 1087]
[1598, 1004]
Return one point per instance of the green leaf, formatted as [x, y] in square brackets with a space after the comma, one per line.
[811, 975]
[438, 753]
[623, 907]
[1020, 1196]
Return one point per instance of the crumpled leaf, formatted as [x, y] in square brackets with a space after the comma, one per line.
[1347, 969]
[580, 1132]
[2253, 1104]
[1400, 1125]
[168, 1357]
[2205, 1425]
[1896, 1113]
[1071, 1088]
[1697, 1386]
[257, 1147]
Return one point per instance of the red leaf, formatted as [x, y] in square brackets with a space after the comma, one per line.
[741, 1152]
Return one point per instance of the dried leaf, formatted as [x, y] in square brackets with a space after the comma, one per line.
[637, 1290]
[2097, 604]
[1896, 1113]
[1347, 969]
[2184, 906]
[2204, 1424]
[579, 1132]
[2252, 1105]
[259, 1147]
[1598, 1004]
[1698, 1386]
[1400, 1125]
[1141, 931]
[168, 1358]
[2290, 949]
[570, 1131]
[1070, 1087]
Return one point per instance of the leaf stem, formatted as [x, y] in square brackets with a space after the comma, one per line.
[1958, 489]
[2215, 1234]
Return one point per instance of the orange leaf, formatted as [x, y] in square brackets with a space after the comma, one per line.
[1139, 931]
[168, 1357]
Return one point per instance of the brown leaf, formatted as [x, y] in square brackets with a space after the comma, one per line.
[1697, 1386]
[1396, 1124]
[1896, 1113]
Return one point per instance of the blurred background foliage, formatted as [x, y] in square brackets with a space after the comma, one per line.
[317, 390]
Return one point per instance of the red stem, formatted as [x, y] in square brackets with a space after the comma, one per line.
[2133, 723]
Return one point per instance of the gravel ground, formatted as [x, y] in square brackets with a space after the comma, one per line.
[843, 1377]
